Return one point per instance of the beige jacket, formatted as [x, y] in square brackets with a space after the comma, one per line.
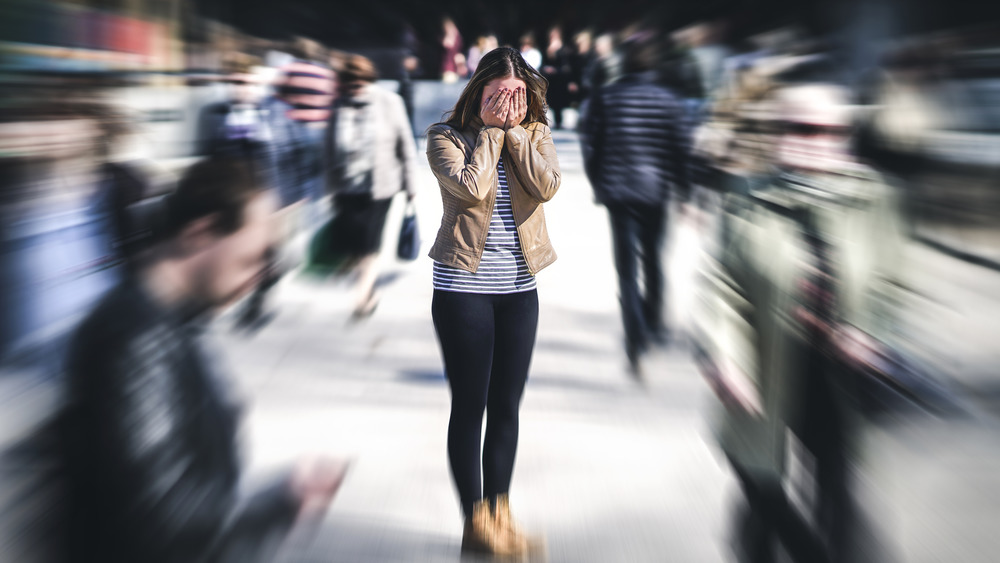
[465, 164]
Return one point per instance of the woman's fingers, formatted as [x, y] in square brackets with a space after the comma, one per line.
[498, 100]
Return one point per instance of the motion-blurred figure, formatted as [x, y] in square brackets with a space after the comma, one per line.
[453, 52]
[484, 44]
[531, 54]
[148, 434]
[636, 154]
[582, 55]
[236, 127]
[805, 294]
[295, 119]
[558, 69]
[604, 66]
[370, 154]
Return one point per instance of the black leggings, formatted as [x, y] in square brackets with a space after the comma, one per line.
[486, 342]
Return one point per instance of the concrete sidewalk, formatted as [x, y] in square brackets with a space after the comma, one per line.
[608, 469]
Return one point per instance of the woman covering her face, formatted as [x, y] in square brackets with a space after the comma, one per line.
[496, 165]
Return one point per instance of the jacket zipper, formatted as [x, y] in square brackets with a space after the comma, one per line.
[489, 220]
[513, 209]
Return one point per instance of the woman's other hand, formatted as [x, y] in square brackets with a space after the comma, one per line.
[495, 108]
[518, 108]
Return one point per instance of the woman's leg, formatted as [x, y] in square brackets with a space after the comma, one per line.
[373, 215]
[366, 295]
[516, 325]
[465, 329]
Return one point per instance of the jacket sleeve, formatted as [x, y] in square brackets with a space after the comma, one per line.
[592, 137]
[181, 504]
[469, 181]
[681, 142]
[536, 164]
[406, 149]
[331, 173]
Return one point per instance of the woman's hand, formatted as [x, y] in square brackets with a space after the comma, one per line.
[495, 108]
[518, 108]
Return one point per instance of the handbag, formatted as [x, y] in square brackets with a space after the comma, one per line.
[408, 246]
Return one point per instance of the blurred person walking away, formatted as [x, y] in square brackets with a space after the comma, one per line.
[529, 52]
[636, 153]
[804, 299]
[370, 155]
[148, 432]
[409, 67]
[496, 165]
[557, 68]
[295, 118]
[453, 52]
[580, 59]
[604, 66]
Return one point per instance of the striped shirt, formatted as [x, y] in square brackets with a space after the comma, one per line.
[503, 268]
[309, 88]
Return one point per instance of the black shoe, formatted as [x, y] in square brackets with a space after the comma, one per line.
[634, 353]
[660, 336]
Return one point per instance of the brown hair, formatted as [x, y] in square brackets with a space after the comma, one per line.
[502, 62]
[357, 67]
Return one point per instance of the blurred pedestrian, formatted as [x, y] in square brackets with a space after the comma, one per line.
[409, 67]
[496, 165]
[529, 52]
[484, 44]
[149, 430]
[295, 118]
[236, 127]
[453, 55]
[557, 67]
[579, 61]
[370, 157]
[636, 154]
[806, 289]
[604, 67]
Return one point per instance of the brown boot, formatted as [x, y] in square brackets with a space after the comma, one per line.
[520, 542]
[482, 535]
[480, 532]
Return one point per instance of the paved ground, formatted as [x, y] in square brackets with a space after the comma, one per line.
[608, 469]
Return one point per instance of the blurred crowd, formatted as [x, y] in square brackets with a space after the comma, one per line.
[805, 175]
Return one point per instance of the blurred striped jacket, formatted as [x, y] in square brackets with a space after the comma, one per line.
[309, 88]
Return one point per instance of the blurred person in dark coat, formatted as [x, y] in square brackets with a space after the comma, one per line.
[635, 151]
[148, 432]
[557, 68]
